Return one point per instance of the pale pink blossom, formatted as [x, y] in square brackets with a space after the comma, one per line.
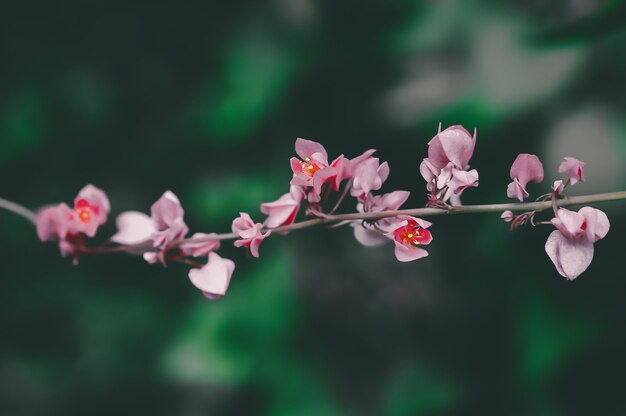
[507, 216]
[168, 213]
[526, 168]
[369, 175]
[204, 244]
[283, 211]
[372, 234]
[446, 169]
[573, 168]
[249, 232]
[570, 246]
[408, 235]
[213, 278]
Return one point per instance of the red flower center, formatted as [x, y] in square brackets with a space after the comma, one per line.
[85, 210]
[308, 167]
[412, 234]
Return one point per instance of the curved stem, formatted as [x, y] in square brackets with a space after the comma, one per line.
[344, 218]
[18, 209]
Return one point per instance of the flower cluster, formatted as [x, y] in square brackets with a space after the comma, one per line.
[570, 246]
[318, 187]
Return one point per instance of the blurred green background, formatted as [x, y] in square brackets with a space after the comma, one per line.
[206, 99]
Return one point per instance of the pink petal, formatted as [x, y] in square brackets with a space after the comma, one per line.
[95, 196]
[405, 253]
[167, 210]
[516, 190]
[568, 222]
[507, 216]
[213, 279]
[454, 144]
[527, 168]
[596, 222]
[307, 148]
[54, 222]
[573, 168]
[571, 257]
[393, 200]
[200, 248]
[368, 238]
[133, 228]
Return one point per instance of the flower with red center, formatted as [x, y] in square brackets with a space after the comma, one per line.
[526, 168]
[313, 157]
[570, 246]
[573, 168]
[371, 234]
[68, 225]
[408, 235]
[250, 233]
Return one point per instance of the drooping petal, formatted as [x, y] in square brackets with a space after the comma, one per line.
[368, 238]
[408, 253]
[133, 227]
[213, 279]
[573, 168]
[571, 256]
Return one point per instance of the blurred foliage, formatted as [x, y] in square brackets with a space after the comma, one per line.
[206, 99]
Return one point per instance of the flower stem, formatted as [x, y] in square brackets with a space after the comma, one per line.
[345, 218]
[17, 209]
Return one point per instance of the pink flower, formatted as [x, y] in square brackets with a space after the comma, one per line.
[371, 234]
[445, 170]
[213, 279]
[507, 216]
[313, 157]
[573, 168]
[283, 211]
[163, 226]
[64, 224]
[369, 175]
[570, 246]
[91, 206]
[409, 233]
[167, 214]
[249, 232]
[526, 168]
[453, 145]
[200, 248]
